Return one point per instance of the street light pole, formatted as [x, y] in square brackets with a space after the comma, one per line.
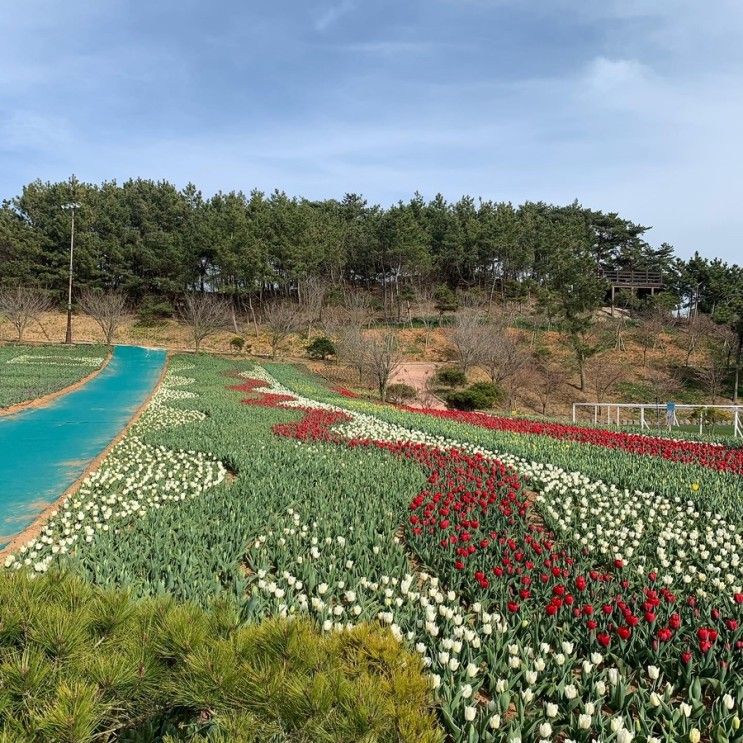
[72, 206]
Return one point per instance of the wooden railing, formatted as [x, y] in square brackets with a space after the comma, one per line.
[631, 278]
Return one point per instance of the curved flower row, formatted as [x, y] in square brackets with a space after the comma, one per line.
[713, 456]
[685, 547]
[540, 673]
[134, 478]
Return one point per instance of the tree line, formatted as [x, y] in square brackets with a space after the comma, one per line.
[145, 237]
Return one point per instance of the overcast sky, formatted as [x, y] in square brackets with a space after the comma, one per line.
[626, 105]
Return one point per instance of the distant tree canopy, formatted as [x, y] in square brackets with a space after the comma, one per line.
[149, 239]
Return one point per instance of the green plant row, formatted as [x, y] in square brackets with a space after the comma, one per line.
[28, 372]
[198, 549]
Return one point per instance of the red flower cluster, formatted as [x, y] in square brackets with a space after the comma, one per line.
[262, 399]
[472, 523]
[344, 391]
[713, 456]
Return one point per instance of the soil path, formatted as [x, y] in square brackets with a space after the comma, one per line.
[418, 376]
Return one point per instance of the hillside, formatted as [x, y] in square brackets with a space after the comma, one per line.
[630, 367]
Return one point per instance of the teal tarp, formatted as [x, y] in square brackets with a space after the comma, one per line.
[44, 450]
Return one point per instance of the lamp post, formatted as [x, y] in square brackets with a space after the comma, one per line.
[71, 207]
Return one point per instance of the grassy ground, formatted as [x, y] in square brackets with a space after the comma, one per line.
[28, 372]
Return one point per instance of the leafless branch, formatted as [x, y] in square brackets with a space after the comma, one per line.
[205, 315]
[22, 306]
[108, 309]
[282, 319]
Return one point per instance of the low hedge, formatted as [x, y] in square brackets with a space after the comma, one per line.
[478, 396]
[79, 663]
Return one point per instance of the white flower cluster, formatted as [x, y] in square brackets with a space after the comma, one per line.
[672, 537]
[134, 478]
[158, 415]
[57, 360]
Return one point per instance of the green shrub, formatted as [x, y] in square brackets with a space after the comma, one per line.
[320, 348]
[487, 392]
[450, 376]
[80, 664]
[478, 396]
[709, 417]
[237, 344]
[400, 393]
[153, 312]
[445, 300]
[461, 400]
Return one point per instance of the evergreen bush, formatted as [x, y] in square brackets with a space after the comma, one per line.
[450, 376]
[320, 348]
[80, 663]
[478, 396]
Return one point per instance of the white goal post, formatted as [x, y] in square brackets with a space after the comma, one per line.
[612, 413]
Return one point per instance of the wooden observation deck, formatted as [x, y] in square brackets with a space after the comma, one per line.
[634, 280]
[629, 279]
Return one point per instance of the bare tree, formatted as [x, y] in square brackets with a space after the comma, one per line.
[352, 348]
[358, 306]
[715, 367]
[698, 328]
[422, 297]
[282, 318]
[23, 306]
[548, 379]
[108, 309]
[604, 373]
[662, 384]
[315, 292]
[468, 336]
[649, 335]
[331, 321]
[205, 315]
[383, 356]
[501, 355]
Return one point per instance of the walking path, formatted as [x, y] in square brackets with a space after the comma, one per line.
[45, 450]
[417, 375]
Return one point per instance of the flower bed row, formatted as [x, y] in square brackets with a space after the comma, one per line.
[714, 456]
[708, 490]
[310, 526]
[675, 537]
[29, 372]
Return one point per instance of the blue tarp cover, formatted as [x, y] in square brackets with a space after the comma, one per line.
[44, 450]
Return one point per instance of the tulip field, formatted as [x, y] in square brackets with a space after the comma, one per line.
[28, 372]
[556, 585]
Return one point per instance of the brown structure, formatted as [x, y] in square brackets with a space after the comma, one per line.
[634, 280]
